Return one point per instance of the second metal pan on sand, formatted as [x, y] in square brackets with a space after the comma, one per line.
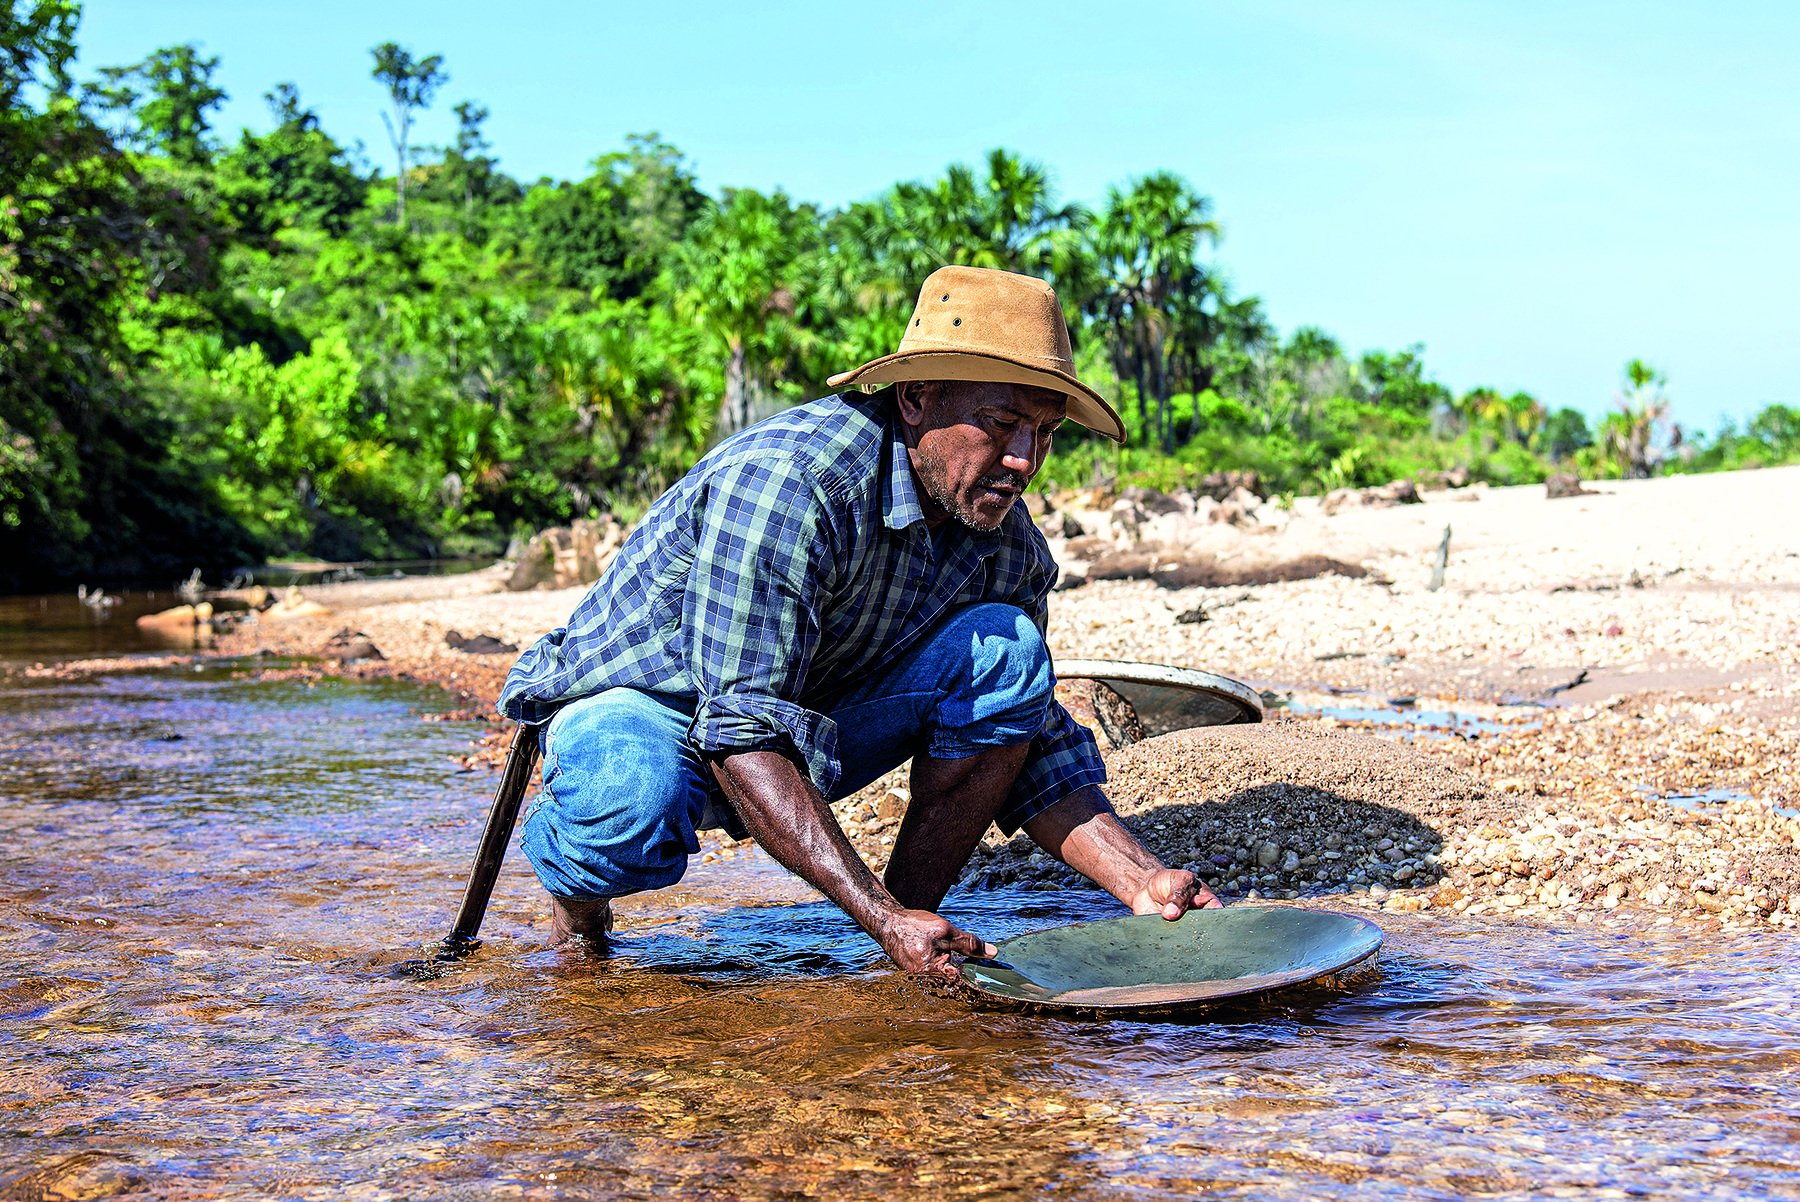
[1147, 964]
[1168, 699]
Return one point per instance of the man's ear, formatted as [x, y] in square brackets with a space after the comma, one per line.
[913, 397]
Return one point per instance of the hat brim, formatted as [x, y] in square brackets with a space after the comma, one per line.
[1085, 405]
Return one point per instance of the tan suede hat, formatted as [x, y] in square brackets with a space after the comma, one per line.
[972, 323]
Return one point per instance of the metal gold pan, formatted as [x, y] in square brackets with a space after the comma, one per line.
[1147, 963]
[1168, 698]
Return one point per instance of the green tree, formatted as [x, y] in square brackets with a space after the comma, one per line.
[293, 176]
[737, 276]
[85, 479]
[1636, 436]
[1007, 220]
[1565, 432]
[1398, 379]
[611, 234]
[411, 84]
[161, 103]
[1153, 292]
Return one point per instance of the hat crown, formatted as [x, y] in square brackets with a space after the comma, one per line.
[978, 310]
[979, 325]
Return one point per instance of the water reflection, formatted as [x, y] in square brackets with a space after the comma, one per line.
[207, 879]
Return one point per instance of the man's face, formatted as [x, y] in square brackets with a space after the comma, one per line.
[976, 446]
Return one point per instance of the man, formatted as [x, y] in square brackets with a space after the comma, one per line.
[835, 590]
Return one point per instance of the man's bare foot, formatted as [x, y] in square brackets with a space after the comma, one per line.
[585, 918]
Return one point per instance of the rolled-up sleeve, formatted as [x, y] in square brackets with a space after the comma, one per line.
[751, 610]
[1064, 756]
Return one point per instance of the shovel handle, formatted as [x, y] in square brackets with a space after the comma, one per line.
[502, 814]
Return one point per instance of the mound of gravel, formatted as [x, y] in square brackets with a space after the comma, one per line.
[1280, 808]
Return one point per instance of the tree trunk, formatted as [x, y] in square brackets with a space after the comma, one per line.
[734, 411]
[1201, 381]
[1159, 382]
[1137, 364]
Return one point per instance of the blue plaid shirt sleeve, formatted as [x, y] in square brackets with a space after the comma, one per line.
[1064, 756]
[762, 557]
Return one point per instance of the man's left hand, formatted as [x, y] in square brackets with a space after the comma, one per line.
[1172, 892]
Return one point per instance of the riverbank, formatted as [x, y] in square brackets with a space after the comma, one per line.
[1596, 711]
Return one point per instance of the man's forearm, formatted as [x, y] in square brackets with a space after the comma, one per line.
[1083, 832]
[793, 823]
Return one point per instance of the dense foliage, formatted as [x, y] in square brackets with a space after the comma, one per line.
[215, 350]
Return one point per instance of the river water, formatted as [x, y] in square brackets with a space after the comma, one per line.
[209, 877]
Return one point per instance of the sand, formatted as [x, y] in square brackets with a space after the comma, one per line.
[1613, 651]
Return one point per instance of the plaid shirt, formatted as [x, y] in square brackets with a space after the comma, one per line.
[792, 562]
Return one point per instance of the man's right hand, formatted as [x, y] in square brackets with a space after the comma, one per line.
[795, 825]
[920, 941]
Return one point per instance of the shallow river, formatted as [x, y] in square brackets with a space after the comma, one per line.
[207, 880]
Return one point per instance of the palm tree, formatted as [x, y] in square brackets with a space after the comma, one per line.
[1152, 291]
[1008, 220]
[1631, 434]
[1482, 409]
[737, 274]
[1526, 417]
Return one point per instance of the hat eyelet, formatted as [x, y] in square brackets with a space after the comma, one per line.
[956, 322]
[945, 297]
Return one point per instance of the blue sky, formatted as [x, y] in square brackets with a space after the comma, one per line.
[1535, 191]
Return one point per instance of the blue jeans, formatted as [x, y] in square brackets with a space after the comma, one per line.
[624, 792]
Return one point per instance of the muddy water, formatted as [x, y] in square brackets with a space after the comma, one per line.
[207, 881]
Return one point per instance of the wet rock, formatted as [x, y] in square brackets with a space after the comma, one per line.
[293, 605]
[181, 616]
[350, 646]
[1267, 855]
[481, 644]
[83, 1177]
